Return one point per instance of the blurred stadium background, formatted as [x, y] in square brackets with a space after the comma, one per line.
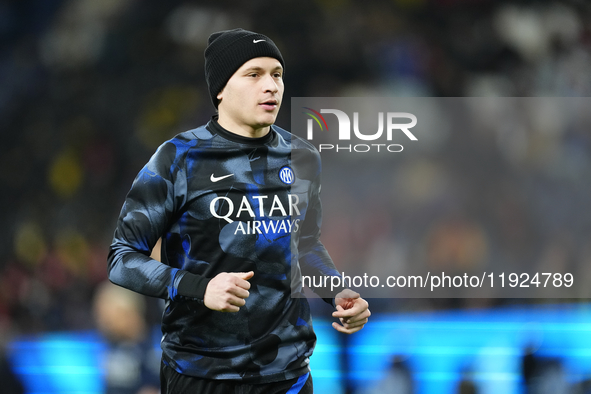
[89, 89]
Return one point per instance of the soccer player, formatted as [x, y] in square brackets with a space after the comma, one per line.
[236, 203]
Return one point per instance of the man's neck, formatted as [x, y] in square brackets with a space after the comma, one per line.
[242, 129]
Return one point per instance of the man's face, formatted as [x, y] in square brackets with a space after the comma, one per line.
[251, 99]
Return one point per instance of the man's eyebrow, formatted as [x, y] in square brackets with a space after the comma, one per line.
[257, 68]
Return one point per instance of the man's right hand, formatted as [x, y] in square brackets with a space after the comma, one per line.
[227, 291]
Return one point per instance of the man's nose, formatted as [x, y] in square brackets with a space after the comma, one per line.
[269, 84]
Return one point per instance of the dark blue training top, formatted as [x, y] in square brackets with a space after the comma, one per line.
[226, 203]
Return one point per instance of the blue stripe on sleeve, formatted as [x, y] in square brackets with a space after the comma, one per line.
[172, 288]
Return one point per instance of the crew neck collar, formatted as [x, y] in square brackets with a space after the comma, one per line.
[216, 128]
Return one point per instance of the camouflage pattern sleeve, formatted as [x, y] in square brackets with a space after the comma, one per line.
[313, 256]
[149, 207]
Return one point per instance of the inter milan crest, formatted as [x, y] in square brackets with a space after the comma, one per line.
[286, 175]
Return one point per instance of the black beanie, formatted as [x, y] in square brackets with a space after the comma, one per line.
[228, 50]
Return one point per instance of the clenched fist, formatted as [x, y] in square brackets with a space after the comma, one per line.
[352, 311]
[227, 291]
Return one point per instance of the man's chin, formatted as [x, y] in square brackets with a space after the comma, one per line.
[268, 121]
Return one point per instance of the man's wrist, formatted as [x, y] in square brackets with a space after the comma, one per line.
[333, 295]
[193, 286]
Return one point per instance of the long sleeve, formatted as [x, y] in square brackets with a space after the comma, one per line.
[313, 256]
[149, 209]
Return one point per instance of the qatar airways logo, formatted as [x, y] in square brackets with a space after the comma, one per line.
[260, 215]
[394, 123]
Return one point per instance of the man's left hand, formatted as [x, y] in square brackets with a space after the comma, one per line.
[352, 311]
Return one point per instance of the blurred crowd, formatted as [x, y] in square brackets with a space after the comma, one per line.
[90, 88]
[504, 190]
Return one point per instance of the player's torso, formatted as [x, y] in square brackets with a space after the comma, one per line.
[243, 209]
